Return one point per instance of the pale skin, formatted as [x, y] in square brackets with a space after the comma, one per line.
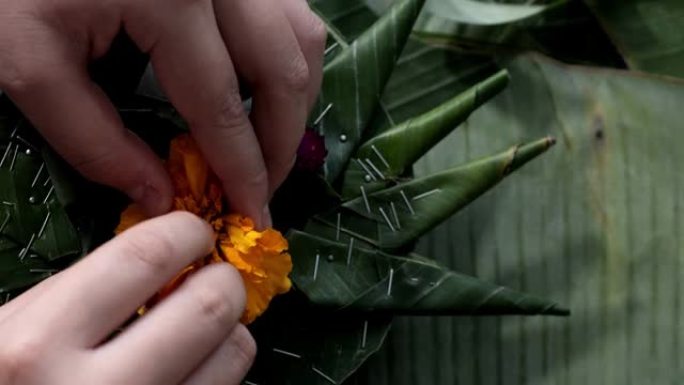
[58, 332]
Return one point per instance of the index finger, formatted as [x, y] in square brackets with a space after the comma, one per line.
[101, 292]
[196, 72]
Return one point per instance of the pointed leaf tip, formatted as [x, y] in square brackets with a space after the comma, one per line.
[389, 154]
[526, 152]
[354, 80]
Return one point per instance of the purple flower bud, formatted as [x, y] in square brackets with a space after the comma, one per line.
[311, 152]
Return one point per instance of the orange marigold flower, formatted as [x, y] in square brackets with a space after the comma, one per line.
[260, 256]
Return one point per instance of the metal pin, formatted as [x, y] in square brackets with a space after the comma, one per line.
[389, 285]
[8, 203]
[318, 260]
[365, 199]
[389, 223]
[49, 194]
[14, 132]
[343, 138]
[35, 178]
[331, 48]
[377, 170]
[339, 224]
[379, 154]
[367, 178]
[426, 194]
[49, 271]
[7, 150]
[350, 249]
[285, 352]
[365, 334]
[44, 225]
[322, 115]
[324, 375]
[32, 199]
[396, 216]
[47, 181]
[408, 204]
[366, 170]
[250, 383]
[5, 222]
[14, 158]
[27, 143]
[24, 251]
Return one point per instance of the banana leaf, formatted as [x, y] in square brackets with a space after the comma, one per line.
[345, 277]
[647, 33]
[603, 238]
[392, 218]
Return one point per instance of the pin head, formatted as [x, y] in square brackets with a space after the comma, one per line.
[32, 199]
[331, 258]
[367, 178]
[28, 151]
[343, 138]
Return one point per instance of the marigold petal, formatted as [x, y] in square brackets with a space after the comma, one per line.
[130, 217]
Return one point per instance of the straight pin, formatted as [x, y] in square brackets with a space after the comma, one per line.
[366, 170]
[5, 222]
[408, 204]
[331, 48]
[379, 154]
[286, 353]
[26, 142]
[396, 216]
[14, 158]
[426, 194]
[35, 179]
[250, 383]
[49, 194]
[389, 285]
[7, 151]
[44, 225]
[322, 115]
[24, 251]
[389, 223]
[365, 199]
[339, 225]
[323, 375]
[49, 271]
[365, 334]
[377, 170]
[350, 249]
[47, 181]
[318, 260]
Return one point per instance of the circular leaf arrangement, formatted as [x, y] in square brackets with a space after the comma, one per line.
[351, 210]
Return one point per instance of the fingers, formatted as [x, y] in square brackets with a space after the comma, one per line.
[196, 72]
[104, 289]
[270, 59]
[228, 364]
[170, 341]
[81, 124]
[311, 35]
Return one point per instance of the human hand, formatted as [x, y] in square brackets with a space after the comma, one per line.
[58, 331]
[198, 49]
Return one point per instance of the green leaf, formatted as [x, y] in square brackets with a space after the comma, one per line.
[35, 232]
[390, 154]
[299, 344]
[481, 13]
[354, 80]
[347, 277]
[394, 217]
[597, 225]
[647, 33]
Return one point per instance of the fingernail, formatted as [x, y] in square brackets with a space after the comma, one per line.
[150, 199]
[266, 219]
